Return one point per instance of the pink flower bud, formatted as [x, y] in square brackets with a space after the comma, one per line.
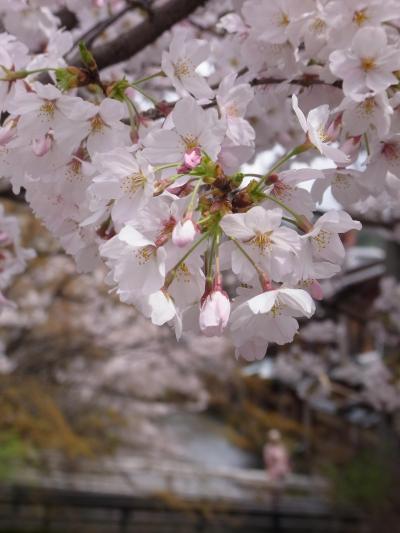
[193, 158]
[42, 146]
[214, 313]
[316, 290]
[183, 233]
[130, 92]
[190, 160]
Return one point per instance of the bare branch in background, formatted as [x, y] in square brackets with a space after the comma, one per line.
[133, 41]
[92, 33]
[306, 81]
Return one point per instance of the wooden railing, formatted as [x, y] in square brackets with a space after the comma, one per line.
[169, 497]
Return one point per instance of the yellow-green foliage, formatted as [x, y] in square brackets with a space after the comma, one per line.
[13, 452]
[45, 419]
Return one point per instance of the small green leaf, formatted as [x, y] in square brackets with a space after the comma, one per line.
[87, 57]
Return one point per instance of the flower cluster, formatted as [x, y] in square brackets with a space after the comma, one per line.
[157, 190]
[348, 52]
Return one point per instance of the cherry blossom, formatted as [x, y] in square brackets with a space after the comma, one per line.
[232, 102]
[123, 178]
[324, 236]
[272, 247]
[319, 132]
[385, 158]
[102, 127]
[137, 264]
[276, 21]
[372, 112]
[347, 186]
[346, 18]
[284, 187]
[267, 317]
[367, 67]
[203, 131]
[180, 64]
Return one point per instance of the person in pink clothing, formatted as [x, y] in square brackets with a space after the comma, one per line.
[276, 458]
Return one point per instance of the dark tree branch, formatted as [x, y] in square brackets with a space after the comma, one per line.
[92, 33]
[7, 194]
[309, 81]
[207, 29]
[306, 81]
[68, 19]
[133, 41]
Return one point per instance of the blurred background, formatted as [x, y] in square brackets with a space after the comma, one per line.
[108, 424]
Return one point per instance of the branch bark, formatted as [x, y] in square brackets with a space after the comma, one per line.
[136, 39]
[306, 81]
[68, 19]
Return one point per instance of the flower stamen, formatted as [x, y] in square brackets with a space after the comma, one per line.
[262, 241]
[368, 63]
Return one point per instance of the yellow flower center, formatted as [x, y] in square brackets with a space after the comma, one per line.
[322, 239]
[232, 110]
[323, 136]
[143, 255]
[131, 184]
[341, 181]
[360, 17]
[368, 106]
[183, 273]
[47, 109]
[368, 63]
[262, 241]
[276, 310]
[191, 142]
[183, 68]
[318, 26]
[283, 19]
[97, 124]
[73, 171]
